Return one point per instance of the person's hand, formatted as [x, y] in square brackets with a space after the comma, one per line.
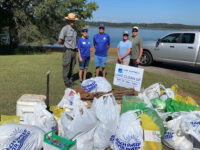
[80, 59]
[138, 61]
[120, 60]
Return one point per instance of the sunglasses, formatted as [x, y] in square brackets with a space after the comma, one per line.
[125, 34]
[85, 31]
[134, 30]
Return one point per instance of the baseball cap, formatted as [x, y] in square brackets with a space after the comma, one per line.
[84, 29]
[125, 33]
[135, 28]
[101, 26]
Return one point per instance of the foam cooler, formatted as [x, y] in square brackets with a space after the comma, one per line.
[27, 102]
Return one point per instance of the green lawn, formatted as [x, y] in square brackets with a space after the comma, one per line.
[22, 74]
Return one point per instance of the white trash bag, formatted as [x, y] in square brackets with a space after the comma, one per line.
[84, 141]
[41, 118]
[106, 110]
[190, 124]
[20, 137]
[67, 98]
[174, 137]
[97, 84]
[78, 120]
[129, 133]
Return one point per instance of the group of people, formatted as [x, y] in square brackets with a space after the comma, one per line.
[129, 50]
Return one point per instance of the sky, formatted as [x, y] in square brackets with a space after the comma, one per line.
[148, 11]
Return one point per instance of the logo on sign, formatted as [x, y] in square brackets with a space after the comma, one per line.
[120, 70]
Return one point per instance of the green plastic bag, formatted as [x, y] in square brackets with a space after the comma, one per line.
[176, 106]
[158, 104]
[131, 103]
[55, 142]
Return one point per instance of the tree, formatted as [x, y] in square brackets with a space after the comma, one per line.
[40, 21]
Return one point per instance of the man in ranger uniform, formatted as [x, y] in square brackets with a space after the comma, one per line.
[68, 38]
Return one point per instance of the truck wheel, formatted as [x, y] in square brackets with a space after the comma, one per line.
[146, 59]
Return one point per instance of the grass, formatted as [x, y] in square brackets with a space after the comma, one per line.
[26, 74]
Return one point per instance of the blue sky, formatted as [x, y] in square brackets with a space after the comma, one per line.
[148, 11]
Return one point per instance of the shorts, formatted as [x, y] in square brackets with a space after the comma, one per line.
[133, 63]
[124, 62]
[84, 64]
[100, 61]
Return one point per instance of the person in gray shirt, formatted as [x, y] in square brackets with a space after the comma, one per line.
[137, 48]
[68, 38]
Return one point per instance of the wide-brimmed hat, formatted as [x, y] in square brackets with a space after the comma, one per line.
[71, 16]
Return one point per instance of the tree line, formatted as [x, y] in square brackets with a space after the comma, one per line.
[37, 22]
[145, 25]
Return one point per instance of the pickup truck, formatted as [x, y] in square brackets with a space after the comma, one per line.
[181, 47]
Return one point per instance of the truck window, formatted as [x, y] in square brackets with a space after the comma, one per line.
[172, 38]
[188, 38]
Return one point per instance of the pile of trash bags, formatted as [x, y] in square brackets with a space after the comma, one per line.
[157, 116]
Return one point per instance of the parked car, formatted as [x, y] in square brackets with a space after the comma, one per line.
[181, 47]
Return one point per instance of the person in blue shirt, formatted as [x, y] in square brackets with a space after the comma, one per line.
[124, 49]
[83, 54]
[102, 44]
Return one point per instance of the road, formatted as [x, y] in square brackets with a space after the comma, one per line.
[175, 70]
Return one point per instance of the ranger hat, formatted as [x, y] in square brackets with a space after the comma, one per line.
[71, 16]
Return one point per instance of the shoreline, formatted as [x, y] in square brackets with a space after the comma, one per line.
[89, 26]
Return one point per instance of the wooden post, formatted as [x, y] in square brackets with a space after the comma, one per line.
[47, 90]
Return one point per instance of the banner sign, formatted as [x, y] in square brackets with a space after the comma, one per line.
[128, 77]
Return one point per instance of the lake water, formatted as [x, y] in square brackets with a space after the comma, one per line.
[116, 34]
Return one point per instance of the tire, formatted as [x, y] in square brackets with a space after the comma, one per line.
[146, 59]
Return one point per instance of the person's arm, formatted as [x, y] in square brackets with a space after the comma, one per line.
[60, 41]
[108, 41]
[127, 53]
[61, 36]
[118, 56]
[79, 55]
[141, 51]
